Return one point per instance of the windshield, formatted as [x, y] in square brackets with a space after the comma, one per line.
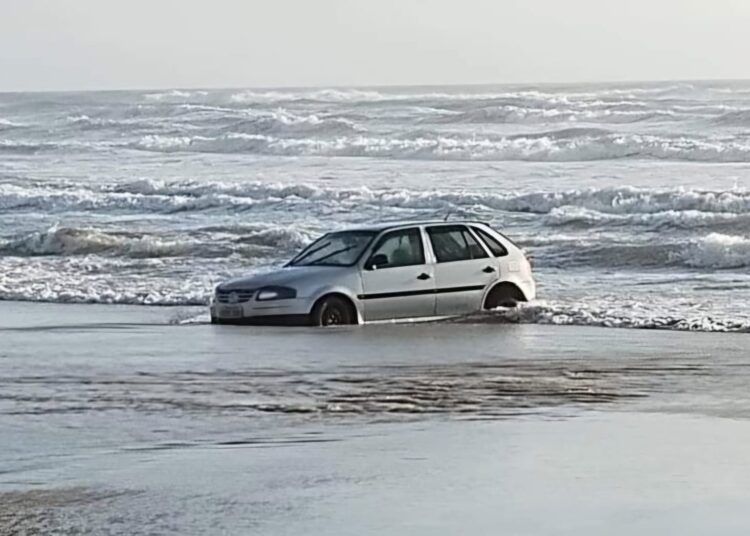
[335, 249]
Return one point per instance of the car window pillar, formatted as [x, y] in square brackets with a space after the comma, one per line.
[481, 243]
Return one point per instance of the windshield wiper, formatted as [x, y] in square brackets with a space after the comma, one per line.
[337, 252]
[311, 252]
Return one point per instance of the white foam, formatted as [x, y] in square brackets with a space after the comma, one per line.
[718, 251]
[542, 148]
[7, 123]
[249, 242]
[365, 95]
[581, 113]
[616, 205]
[616, 200]
[682, 219]
[175, 94]
[285, 123]
[620, 315]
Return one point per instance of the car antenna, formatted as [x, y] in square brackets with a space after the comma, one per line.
[447, 216]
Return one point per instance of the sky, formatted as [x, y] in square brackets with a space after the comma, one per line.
[141, 44]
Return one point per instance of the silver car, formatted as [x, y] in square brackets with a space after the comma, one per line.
[385, 272]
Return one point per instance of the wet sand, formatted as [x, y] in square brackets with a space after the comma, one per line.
[122, 420]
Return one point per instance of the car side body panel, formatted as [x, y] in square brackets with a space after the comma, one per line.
[393, 292]
[400, 292]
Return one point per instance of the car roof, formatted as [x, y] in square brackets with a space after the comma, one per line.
[379, 227]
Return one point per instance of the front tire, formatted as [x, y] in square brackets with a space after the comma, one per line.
[332, 311]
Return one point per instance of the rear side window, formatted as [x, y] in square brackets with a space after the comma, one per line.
[497, 249]
[454, 243]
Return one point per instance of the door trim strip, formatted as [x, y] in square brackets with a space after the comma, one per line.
[405, 293]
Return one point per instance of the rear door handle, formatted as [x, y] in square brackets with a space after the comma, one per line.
[488, 269]
[423, 276]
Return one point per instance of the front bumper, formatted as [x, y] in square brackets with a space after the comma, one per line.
[275, 312]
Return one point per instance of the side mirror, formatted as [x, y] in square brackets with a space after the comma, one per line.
[377, 261]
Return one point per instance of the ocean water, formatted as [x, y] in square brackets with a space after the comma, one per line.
[633, 200]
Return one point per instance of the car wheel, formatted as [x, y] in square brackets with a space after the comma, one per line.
[504, 295]
[332, 311]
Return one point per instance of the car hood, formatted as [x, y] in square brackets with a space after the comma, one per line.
[288, 276]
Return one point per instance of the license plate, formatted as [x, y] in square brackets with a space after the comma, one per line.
[230, 311]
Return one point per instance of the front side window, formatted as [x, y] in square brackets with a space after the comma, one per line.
[497, 249]
[399, 248]
[335, 249]
[455, 243]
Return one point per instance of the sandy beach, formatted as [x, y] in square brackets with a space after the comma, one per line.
[136, 420]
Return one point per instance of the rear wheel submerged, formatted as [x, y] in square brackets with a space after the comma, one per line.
[504, 295]
[332, 311]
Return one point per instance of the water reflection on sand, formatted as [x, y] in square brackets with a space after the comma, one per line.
[116, 421]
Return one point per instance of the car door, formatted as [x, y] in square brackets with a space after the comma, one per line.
[396, 278]
[463, 269]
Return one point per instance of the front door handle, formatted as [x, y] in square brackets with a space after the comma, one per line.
[423, 276]
[488, 269]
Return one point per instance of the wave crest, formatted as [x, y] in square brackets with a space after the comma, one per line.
[283, 123]
[174, 94]
[7, 124]
[718, 251]
[588, 146]
[521, 114]
[248, 242]
[612, 205]
[677, 219]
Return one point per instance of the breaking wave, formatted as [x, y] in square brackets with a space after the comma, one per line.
[353, 95]
[273, 243]
[282, 122]
[242, 241]
[675, 219]
[676, 207]
[175, 94]
[638, 317]
[714, 251]
[718, 251]
[511, 113]
[86, 122]
[7, 124]
[542, 148]
[622, 201]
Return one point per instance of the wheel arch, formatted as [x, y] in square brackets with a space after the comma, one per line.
[341, 295]
[509, 288]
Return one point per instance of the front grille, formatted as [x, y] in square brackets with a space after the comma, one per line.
[225, 296]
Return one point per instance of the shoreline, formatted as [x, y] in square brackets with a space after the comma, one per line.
[182, 315]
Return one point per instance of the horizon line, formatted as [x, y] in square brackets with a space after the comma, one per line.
[377, 86]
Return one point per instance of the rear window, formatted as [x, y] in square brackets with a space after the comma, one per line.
[494, 245]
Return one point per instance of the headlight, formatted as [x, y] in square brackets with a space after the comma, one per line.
[275, 293]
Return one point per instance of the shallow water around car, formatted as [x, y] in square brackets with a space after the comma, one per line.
[121, 420]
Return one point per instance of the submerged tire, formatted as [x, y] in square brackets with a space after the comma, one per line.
[332, 311]
[504, 295]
